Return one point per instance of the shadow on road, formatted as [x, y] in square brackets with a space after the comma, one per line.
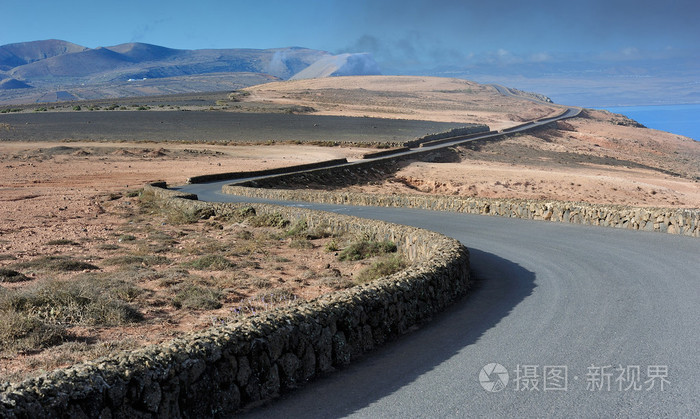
[500, 286]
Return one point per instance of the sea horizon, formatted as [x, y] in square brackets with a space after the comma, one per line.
[677, 119]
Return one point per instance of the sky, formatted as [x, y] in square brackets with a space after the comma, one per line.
[399, 33]
[430, 37]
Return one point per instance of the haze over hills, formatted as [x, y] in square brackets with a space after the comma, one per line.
[45, 71]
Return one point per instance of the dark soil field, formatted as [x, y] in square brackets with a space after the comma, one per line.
[209, 126]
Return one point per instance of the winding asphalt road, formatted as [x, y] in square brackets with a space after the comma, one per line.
[620, 310]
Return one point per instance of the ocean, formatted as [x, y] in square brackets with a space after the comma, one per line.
[678, 119]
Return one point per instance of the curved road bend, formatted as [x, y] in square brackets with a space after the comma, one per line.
[590, 299]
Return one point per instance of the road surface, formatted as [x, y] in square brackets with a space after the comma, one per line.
[603, 318]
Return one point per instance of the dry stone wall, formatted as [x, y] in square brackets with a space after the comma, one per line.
[223, 369]
[455, 132]
[665, 220]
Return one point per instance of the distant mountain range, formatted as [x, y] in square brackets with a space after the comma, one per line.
[51, 70]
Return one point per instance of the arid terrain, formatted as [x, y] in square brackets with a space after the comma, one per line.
[598, 157]
[68, 203]
[72, 214]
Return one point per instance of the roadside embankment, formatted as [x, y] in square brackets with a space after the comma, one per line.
[226, 368]
[276, 171]
[684, 222]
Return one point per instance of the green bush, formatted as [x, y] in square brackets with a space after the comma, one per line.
[301, 230]
[77, 108]
[364, 249]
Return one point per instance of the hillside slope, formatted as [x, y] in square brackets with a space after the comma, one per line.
[55, 68]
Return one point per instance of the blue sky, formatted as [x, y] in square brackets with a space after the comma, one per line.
[401, 34]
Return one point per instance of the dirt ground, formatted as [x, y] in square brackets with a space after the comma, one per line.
[68, 198]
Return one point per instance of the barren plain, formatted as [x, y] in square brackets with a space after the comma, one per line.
[65, 200]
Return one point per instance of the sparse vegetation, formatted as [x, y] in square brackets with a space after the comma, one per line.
[199, 268]
[298, 230]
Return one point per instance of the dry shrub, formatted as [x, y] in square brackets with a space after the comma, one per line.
[9, 275]
[85, 300]
[381, 268]
[195, 296]
[21, 332]
[210, 262]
